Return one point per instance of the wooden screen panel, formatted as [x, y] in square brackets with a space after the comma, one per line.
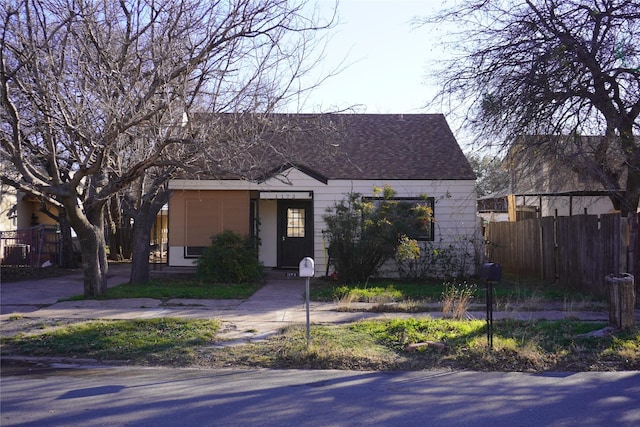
[197, 216]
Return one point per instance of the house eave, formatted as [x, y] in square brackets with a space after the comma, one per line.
[305, 170]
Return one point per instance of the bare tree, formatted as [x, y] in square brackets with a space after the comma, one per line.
[556, 68]
[154, 194]
[96, 94]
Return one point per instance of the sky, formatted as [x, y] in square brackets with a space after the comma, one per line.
[386, 58]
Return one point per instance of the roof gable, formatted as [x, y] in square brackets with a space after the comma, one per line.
[280, 170]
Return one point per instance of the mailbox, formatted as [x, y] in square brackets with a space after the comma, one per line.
[307, 270]
[306, 267]
[491, 272]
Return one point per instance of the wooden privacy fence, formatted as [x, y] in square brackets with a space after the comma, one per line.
[576, 252]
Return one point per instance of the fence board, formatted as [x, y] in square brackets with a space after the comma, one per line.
[577, 252]
[548, 248]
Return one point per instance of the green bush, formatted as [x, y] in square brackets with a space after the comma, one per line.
[435, 260]
[365, 233]
[231, 258]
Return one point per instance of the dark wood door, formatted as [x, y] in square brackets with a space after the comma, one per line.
[295, 232]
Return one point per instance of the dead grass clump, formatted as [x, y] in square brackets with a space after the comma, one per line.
[456, 299]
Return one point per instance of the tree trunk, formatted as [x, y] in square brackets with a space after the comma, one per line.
[114, 227]
[144, 219]
[94, 261]
[126, 237]
[89, 226]
[141, 250]
[632, 152]
[621, 300]
[67, 257]
[632, 195]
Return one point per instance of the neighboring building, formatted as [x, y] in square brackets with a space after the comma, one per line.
[30, 214]
[19, 211]
[28, 237]
[8, 208]
[414, 154]
[494, 207]
[547, 182]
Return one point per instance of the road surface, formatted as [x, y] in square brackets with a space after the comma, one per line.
[108, 396]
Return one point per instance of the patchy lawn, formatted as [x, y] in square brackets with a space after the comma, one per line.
[397, 344]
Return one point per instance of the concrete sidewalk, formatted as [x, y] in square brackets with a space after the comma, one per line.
[29, 295]
[277, 304]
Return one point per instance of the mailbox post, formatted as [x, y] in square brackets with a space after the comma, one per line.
[307, 270]
[491, 273]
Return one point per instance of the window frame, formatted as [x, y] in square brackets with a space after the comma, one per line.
[294, 229]
[193, 251]
[429, 201]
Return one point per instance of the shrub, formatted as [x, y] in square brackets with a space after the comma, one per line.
[365, 233]
[407, 257]
[431, 260]
[231, 258]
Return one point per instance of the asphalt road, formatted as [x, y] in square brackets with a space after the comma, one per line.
[190, 397]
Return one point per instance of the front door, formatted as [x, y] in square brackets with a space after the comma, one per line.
[295, 232]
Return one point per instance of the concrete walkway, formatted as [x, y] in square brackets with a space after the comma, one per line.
[277, 304]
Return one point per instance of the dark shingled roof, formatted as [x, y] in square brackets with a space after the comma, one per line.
[338, 146]
[394, 146]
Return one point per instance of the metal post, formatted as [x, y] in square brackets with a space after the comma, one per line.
[489, 298]
[307, 270]
[308, 320]
[491, 272]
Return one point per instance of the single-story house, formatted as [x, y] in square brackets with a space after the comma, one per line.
[19, 210]
[28, 236]
[416, 154]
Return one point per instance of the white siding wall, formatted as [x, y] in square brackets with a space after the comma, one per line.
[594, 205]
[455, 207]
